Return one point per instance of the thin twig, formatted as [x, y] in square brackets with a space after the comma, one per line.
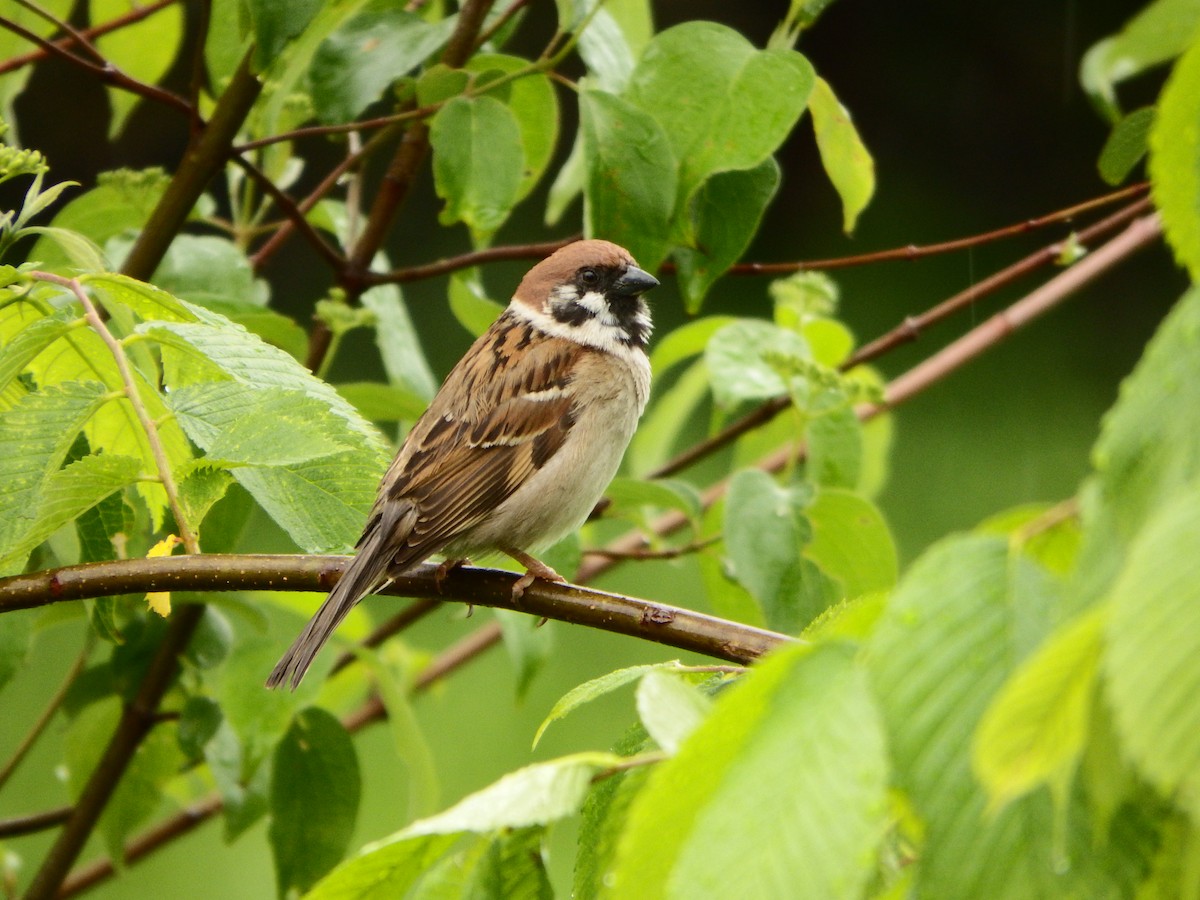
[47, 715]
[31, 824]
[450, 264]
[65, 43]
[909, 330]
[77, 36]
[161, 462]
[106, 73]
[501, 20]
[646, 553]
[294, 215]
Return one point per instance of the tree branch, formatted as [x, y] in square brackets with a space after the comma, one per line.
[465, 261]
[31, 824]
[680, 628]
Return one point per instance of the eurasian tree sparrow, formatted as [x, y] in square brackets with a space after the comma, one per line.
[521, 440]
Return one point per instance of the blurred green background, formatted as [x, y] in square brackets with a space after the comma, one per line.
[975, 118]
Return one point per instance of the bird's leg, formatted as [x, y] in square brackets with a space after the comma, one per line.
[534, 568]
[445, 568]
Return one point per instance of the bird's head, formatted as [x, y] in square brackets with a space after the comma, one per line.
[593, 289]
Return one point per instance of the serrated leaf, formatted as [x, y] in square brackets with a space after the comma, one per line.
[354, 65]
[315, 788]
[21, 349]
[670, 708]
[708, 824]
[1174, 151]
[724, 214]
[844, 156]
[597, 687]
[534, 795]
[1035, 729]
[1126, 145]
[1158, 33]
[287, 427]
[387, 868]
[631, 175]
[478, 163]
[1153, 658]
[747, 361]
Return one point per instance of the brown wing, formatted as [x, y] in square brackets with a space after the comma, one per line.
[503, 411]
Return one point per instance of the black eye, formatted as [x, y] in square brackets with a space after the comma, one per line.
[589, 276]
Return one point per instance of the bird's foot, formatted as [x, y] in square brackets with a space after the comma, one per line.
[444, 570]
[534, 569]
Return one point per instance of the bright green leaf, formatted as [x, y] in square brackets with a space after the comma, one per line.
[383, 870]
[1126, 145]
[143, 50]
[708, 823]
[685, 341]
[844, 156]
[597, 687]
[1175, 160]
[1034, 730]
[749, 359]
[851, 542]
[670, 708]
[835, 449]
[470, 303]
[382, 402]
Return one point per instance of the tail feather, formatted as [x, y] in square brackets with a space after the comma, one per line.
[366, 572]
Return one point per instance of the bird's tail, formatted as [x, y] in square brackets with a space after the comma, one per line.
[366, 572]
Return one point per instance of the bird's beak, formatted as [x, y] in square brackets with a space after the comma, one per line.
[634, 282]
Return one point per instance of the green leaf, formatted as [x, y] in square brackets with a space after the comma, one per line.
[478, 163]
[382, 402]
[597, 687]
[21, 349]
[385, 869]
[534, 105]
[1148, 451]
[671, 415]
[143, 50]
[835, 449]
[844, 156]
[606, 52]
[534, 795]
[399, 346]
[77, 251]
[955, 630]
[146, 300]
[685, 341]
[630, 178]
[1158, 33]
[708, 823]
[470, 303]
[354, 65]
[204, 269]
[287, 426]
[1126, 145]
[69, 492]
[1153, 659]
[315, 789]
[1035, 729]
[275, 23]
[748, 360]
[851, 542]
[725, 212]
[765, 530]
[631, 494]
[512, 867]
[722, 104]
[1175, 160]
[670, 708]
[35, 436]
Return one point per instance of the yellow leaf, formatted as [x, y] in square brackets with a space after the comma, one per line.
[160, 601]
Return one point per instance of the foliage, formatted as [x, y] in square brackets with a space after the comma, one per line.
[1016, 713]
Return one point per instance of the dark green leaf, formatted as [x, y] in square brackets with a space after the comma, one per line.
[315, 788]
[1126, 145]
[353, 65]
[198, 723]
[631, 176]
[478, 163]
[725, 213]
[212, 640]
[723, 104]
[708, 823]
[276, 22]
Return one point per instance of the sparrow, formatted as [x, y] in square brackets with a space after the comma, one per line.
[519, 442]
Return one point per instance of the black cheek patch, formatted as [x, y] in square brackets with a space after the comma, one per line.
[570, 313]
